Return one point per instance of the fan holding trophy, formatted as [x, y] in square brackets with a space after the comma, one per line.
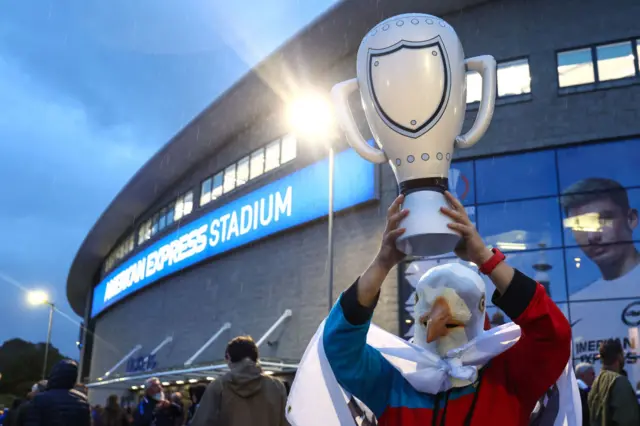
[411, 75]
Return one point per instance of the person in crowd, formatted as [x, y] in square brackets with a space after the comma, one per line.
[603, 223]
[505, 389]
[113, 414]
[172, 413]
[250, 396]
[195, 394]
[129, 413]
[10, 417]
[151, 402]
[82, 388]
[612, 401]
[585, 375]
[60, 404]
[21, 414]
[97, 412]
[176, 398]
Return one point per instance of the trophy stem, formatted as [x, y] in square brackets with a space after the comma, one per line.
[427, 233]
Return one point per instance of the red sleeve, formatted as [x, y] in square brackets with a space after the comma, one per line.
[536, 362]
[487, 323]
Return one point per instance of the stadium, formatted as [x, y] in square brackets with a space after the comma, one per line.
[225, 231]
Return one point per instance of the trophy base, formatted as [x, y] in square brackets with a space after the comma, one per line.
[427, 233]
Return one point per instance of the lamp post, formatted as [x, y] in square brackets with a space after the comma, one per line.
[330, 224]
[311, 117]
[38, 297]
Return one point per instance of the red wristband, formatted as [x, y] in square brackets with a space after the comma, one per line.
[488, 266]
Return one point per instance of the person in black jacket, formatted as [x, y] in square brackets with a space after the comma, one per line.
[150, 404]
[21, 413]
[60, 404]
[195, 392]
[585, 376]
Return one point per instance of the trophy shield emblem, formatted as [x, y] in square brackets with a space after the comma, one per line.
[410, 84]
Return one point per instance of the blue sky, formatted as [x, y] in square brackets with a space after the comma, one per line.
[88, 92]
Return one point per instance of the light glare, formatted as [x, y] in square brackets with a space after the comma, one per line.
[37, 297]
[311, 117]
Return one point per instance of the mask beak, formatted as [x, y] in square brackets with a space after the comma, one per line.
[439, 317]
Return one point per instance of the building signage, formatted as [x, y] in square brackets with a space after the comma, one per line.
[141, 364]
[285, 203]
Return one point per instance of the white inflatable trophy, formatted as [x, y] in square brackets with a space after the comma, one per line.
[411, 72]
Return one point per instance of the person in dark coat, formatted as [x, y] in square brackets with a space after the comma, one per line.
[113, 414]
[195, 392]
[152, 401]
[60, 404]
[21, 412]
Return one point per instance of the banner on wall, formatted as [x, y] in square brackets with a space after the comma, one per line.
[288, 202]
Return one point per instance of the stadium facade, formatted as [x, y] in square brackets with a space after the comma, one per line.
[224, 231]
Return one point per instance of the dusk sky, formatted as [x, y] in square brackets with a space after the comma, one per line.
[89, 91]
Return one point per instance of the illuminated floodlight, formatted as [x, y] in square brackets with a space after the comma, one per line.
[310, 116]
[37, 297]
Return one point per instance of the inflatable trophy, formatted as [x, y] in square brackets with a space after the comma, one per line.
[411, 72]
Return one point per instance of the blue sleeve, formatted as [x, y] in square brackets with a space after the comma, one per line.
[359, 368]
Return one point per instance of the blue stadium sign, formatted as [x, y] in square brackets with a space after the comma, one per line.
[291, 201]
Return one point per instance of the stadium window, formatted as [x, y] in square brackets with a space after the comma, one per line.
[229, 178]
[256, 167]
[170, 213]
[205, 191]
[597, 64]
[120, 252]
[521, 225]
[188, 203]
[474, 87]
[272, 156]
[147, 230]
[514, 78]
[288, 149]
[144, 233]
[615, 61]
[179, 209]
[242, 171]
[575, 67]
[528, 175]
[162, 220]
[154, 225]
[216, 190]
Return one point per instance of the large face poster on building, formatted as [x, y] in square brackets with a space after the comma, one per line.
[599, 201]
[568, 218]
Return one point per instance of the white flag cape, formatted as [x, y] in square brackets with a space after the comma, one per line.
[316, 398]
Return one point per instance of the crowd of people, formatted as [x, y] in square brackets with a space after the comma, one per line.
[243, 396]
[607, 398]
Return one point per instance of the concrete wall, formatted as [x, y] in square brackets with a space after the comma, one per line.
[252, 286]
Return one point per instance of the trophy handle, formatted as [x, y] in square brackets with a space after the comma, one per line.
[486, 66]
[340, 95]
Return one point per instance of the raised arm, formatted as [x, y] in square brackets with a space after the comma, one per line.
[359, 368]
[546, 333]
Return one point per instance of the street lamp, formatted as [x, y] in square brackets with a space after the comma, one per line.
[311, 118]
[39, 297]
